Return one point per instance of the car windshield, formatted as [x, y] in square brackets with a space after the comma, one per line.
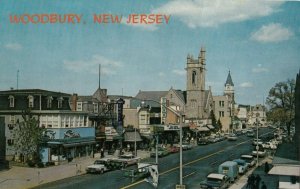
[99, 162]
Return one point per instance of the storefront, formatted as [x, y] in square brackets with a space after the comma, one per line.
[68, 143]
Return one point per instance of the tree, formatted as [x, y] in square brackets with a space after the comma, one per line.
[219, 124]
[281, 102]
[28, 135]
[213, 120]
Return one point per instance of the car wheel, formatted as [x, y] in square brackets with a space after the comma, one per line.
[102, 171]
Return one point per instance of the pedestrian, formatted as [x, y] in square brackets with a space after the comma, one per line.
[102, 153]
[263, 185]
[249, 181]
[257, 181]
[267, 168]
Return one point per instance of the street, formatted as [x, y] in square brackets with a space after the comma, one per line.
[198, 162]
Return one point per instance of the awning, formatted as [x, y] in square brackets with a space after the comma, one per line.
[210, 126]
[79, 144]
[132, 137]
[288, 170]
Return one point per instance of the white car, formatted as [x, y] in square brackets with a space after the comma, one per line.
[261, 152]
[257, 142]
[215, 180]
[127, 159]
[99, 166]
[249, 160]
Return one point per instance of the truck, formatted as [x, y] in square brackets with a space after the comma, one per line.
[230, 169]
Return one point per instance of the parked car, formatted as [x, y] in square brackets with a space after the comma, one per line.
[257, 142]
[202, 141]
[99, 166]
[230, 169]
[160, 152]
[215, 180]
[173, 149]
[127, 159]
[186, 146]
[261, 152]
[232, 137]
[242, 165]
[249, 160]
[250, 134]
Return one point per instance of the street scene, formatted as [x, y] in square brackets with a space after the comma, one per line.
[161, 94]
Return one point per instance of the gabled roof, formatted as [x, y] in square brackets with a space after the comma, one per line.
[229, 80]
[151, 95]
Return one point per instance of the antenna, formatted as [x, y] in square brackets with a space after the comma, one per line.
[99, 75]
[17, 79]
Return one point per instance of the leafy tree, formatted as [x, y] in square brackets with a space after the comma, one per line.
[219, 124]
[281, 102]
[213, 120]
[28, 135]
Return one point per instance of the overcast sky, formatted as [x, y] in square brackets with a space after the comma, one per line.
[258, 41]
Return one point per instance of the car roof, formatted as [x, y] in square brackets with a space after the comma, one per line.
[246, 156]
[216, 175]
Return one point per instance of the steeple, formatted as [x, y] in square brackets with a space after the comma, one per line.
[229, 80]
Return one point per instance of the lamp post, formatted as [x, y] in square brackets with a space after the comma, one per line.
[257, 147]
[182, 120]
[135, 152]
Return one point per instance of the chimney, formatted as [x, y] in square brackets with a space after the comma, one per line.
[74, 101]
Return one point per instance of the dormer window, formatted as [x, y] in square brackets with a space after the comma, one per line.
[60, 101]
[11, 101]
[79, 106]
[49, 101]
[30, 101]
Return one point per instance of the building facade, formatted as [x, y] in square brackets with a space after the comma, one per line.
[68, 133]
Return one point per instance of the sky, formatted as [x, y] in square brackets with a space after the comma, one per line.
[257, 41]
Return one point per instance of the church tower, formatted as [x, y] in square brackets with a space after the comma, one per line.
[229, 88]
[195, 86]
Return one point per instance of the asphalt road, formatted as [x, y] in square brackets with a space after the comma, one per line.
[198, 162]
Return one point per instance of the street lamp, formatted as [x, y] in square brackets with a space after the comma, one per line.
[182, 120]
[257, 147]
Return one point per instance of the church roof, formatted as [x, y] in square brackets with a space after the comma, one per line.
[229, 80]
[151, 95]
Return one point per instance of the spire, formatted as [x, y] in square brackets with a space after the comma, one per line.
[202, 55]
[229, 80]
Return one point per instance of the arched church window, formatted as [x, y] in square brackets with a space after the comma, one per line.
[194, 76]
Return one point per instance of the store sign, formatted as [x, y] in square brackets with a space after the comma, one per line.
[171, 127]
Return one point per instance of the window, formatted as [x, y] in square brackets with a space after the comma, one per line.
[79, 106]
[10, 142]
[11, 101]
[12, 119]
[194, 75]
[221, 103]
[60, 101]
[49, 101]
[95, 107]
[193, 103]
[30, 101]
[221, 113]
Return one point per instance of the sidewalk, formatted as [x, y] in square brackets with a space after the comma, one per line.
[25, 177]
[270, 180]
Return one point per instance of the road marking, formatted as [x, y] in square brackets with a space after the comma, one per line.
[174, 168]
[188, 175]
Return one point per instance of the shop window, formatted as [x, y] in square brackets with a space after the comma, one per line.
[11, 101]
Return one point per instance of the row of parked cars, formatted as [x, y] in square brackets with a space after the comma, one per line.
[164, 151]
[108, 164]
[228, 172]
